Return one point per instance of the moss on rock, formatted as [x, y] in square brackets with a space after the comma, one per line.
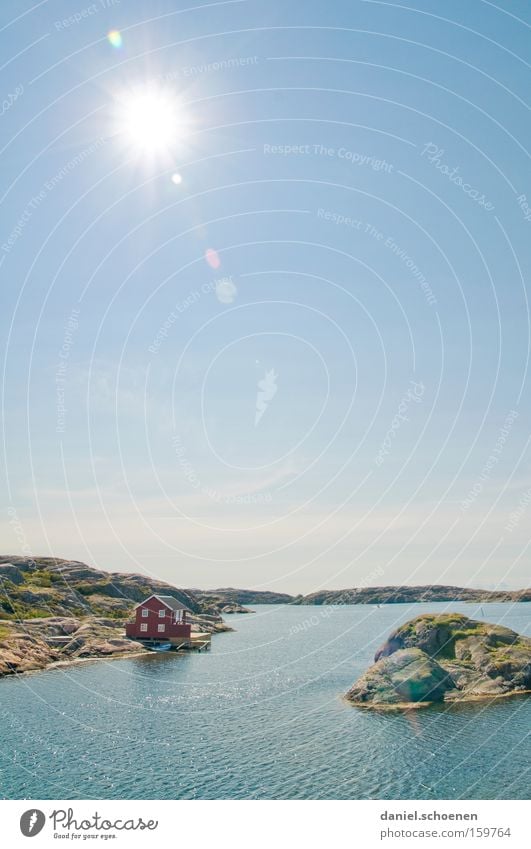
[408, 675]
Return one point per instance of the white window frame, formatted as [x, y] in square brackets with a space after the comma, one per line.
[162, 613]
[145, 612]
[161, 628]
[143, 626]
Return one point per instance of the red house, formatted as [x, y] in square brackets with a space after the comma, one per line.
[159, 617]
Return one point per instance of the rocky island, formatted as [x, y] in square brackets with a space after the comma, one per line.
[230, 600]
[411, 595]
[444, 658]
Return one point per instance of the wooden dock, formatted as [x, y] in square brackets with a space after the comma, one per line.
[199, 641]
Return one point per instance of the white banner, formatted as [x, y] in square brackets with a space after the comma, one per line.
[146, 823]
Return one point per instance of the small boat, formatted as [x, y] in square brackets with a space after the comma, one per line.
[158, 646]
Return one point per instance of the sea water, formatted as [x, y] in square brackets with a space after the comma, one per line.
[260, 716]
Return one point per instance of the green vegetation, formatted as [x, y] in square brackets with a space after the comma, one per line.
[31, 612]
[98, 610]
[18, 612]
[41, 578]
[97, 588]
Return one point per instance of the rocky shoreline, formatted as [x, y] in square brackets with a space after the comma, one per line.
[61, 611]
[37, 644]
[55, 611]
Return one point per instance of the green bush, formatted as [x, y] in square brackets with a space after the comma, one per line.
[41, 578]
[98, 588]
[35, 613]
[110, 614]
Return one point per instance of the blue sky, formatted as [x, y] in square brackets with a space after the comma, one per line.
[349, 230]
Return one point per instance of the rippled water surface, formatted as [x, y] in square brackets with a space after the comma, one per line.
[260, 716]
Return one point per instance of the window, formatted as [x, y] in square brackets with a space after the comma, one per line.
[162, 628]
[162, 614]
[143, 626]
[145, 612]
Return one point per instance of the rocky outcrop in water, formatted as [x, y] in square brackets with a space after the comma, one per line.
[234, 608]
[232, 597]
[445, 658]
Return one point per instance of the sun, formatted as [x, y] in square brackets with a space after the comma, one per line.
[151, 120]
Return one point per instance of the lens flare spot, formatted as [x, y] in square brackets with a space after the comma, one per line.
[114, 37]
[212, 257]
[176, 179]
[226, 291]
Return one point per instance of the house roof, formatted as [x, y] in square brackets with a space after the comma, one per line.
[169, 600]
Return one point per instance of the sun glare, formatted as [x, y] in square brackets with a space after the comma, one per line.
[151, 120]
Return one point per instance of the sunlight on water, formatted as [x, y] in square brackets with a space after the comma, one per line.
[260, 716]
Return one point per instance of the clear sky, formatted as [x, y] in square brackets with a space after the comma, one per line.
[264, 289]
